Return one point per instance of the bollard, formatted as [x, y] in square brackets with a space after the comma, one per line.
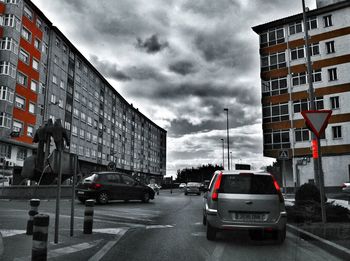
[40, 230]
[34, 203]
[88, 216]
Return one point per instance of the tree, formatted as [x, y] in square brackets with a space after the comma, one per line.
[199, 174]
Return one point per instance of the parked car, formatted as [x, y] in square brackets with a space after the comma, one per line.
[244, 200]
[182, 185]
[346, 187]
[105, 186]
[192, 188]
[155, 187]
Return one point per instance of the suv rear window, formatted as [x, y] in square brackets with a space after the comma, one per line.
[247, 184]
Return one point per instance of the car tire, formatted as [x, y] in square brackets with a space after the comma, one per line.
[199, 194]
[281, 235]
[158, 193]
[103, 198]
[185, 194]
[145, 197]
[211, 232]
[204, 220]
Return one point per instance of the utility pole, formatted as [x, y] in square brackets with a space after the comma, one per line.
[228, 140]
[223, 153]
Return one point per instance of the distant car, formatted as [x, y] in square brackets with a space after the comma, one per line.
[244, 200]
[192, 188]
[155, 187]
[105, 186]
[346, 187]
[182, 185]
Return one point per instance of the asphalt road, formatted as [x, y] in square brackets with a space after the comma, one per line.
[167, 228]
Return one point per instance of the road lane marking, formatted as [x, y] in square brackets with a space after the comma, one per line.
[198, 234]
[104, 250]
[11, 232]
[217, 253]
[159, 226]
[111, 231]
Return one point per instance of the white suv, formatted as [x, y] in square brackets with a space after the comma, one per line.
[244, 200]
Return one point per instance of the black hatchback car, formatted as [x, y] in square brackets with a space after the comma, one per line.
[105, 186]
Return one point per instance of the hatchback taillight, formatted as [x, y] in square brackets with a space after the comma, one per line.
[217, 184]
[95, 186]
[278, 190]
[343, 186]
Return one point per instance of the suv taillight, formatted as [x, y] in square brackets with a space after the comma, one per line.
[215, 194]
[278, 190]
[95, 186]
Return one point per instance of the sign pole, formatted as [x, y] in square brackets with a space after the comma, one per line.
[58, 197]
[321, 182]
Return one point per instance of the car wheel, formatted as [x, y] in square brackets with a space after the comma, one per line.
[281, 235]
[103, 198]
[158, 193]
[185, 194]
[199, 194]
[211, 232]
[145, 197]
[204, 220]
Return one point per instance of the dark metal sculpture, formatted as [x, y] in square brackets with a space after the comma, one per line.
[59, 135]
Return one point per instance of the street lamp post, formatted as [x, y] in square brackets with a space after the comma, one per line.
[223, 153]
[228, 140]
[231, 160]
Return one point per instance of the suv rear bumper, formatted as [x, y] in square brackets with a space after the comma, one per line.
[215, 220]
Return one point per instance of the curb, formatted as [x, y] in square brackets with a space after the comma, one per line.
[327, 245]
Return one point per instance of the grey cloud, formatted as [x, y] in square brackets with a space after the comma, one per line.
[109, 69]
[151, 45]
[211, 8]
[183, 67]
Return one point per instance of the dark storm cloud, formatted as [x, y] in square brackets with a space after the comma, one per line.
[108, 69]
[183, 67]
[151, 45]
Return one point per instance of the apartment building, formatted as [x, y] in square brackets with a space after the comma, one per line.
[44, 76]
[284, 87]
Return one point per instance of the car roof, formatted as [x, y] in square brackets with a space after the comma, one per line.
[107, 172]
[237, 172]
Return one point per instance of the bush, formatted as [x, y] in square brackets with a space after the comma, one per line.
[306, 194]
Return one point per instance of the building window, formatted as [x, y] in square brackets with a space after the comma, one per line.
[74, 130]
[55, 59]
[28, 13]
[316, 75]
[297, 53]
[37, 43]
[24, 56]
[22, 79]
[276, 139]
[336, 130]
[38, 23]
[57, 42]
[5, 120]
[81, 150]
[87, 152]
[314, 49]
[298, 78]
[295, 28]
[6, 94]
[44, 48]
[73, 148]
[300, 105]
[273, 61]
[76, 112]
[21, 153]
[312, 23]
[17, 126]
[30, 131]
[76, 96]
[33, 86]
[9, 44]
[68, 107]
[62, 84]
[332, 74]
[26, 34]
[82, 133]
[12, 21]
[32, 108]
[35, 64]
[83, 117]
[330, 47]
[272, 37]
[327, 20]
[67, 125]
[276, 112]
[335, 102]
[54, 79]
[60, 103]
[88, 136]
[7, 68]
[53, 98]
[319, 103]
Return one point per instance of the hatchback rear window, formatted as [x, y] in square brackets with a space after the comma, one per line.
[247, 184]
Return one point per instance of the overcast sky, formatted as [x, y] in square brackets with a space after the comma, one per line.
[181, 62]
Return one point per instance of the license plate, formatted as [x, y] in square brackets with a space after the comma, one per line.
[249, 217]
[81, 192]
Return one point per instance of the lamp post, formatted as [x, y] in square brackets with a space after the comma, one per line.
[223, 153]
[231, 160]
[228, 140]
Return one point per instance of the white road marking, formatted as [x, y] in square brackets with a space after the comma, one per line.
[100, 254]
[11, 232]
[198, 234]
[111, 231]
[198, 223]
[217, 253]
[159, 226]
